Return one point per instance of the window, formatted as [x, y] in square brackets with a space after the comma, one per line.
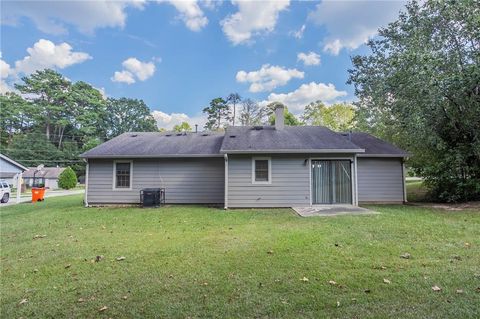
[261, 171]
[5, 185]
[123, 175]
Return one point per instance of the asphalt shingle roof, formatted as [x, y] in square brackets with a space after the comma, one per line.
[242, 139]
[155, 144]
[46, 172]
[292, 138]
[375, 146]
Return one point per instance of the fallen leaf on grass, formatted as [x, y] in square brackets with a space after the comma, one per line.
[103, 308]
[385, 280]
[436, 288]
[332, 282]
[338, 303]
[125, 297]
[367, 291]
[39, 236]
[68, 266]
[304, 279]
[22, 301]
[459, 291]
[121, 258]
[81, 300]
[270, 252]
[405, 256]
[354, 299]
[35, 270]
[467, 245]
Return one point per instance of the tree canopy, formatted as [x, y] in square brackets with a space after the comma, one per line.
[420, 87]
[52, 120]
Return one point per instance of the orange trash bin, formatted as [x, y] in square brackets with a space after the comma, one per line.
[38, 194]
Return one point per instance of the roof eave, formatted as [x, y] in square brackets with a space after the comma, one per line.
[150, 156]
[293, 151]
[8, 159]
[384, 155]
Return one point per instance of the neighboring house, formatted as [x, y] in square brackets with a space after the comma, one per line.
[259, 166]
[11, 172]
[47, 176]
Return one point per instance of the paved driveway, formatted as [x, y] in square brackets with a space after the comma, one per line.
[48, 194]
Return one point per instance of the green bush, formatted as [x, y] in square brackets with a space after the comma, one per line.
[67, 179]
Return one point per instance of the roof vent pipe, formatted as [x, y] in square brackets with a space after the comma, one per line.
[196, 128]
[279, 117]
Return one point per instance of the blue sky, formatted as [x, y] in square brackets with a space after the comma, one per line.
[178, 55]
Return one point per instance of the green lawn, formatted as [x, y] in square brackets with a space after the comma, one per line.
[416, 191]
[197, 262]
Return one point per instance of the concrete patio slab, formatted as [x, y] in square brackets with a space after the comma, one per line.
[332, 210]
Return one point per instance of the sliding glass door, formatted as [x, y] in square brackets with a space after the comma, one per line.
[331, 182]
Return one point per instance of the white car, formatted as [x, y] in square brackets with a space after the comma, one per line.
[4, 191]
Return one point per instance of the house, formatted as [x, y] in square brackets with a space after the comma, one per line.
[11, 172]
[259, 166]
[48, 176]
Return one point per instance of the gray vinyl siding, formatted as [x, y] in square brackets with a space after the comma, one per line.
[380, 180]
[186, 181]
[6, 166]
[289, 186]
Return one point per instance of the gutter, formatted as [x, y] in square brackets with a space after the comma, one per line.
[151, 156]
[293, 151]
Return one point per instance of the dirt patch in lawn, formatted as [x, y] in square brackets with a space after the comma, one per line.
[450, 206]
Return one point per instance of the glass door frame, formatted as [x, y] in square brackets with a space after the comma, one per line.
[353, 177]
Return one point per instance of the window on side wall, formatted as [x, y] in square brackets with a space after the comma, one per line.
[122, 171]
[261, 170]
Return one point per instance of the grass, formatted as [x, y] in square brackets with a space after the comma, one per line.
[197, 262]
[416, 191]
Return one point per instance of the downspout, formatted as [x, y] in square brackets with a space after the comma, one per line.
[355, 166]
[404, 183]
[85, 199]
[226, 182]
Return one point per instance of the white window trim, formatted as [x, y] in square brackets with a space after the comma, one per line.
[115, 175]
[269, 159]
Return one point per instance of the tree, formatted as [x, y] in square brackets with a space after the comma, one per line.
[338, 117]
[33, 149]
[289, 118]
[217, 112]
[183, 127]
[49, 92]
[15, 116]
[67, 179]
[251, 113]
[234, 99]
[128, 115]
[422, 82]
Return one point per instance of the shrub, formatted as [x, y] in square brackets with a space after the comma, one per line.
[67, 179]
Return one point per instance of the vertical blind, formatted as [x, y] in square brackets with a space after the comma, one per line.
[331, 182]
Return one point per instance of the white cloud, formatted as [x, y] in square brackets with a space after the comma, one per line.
[4, 68]
[123, 77]
[142, 70]
[268, 77]
[134, 69]
[168, 121]
[299, 33]
[190, 13]
[351, 23]
[46, 54]
[253, 18]
[53, 16]
[310, 58]
[306, 93]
